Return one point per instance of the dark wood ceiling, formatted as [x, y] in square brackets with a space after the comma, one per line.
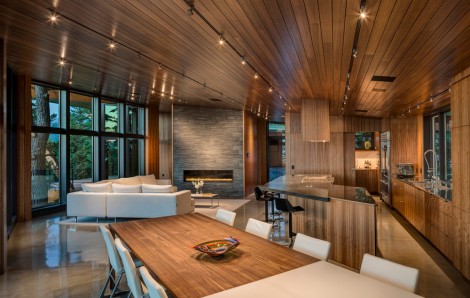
[301, 48]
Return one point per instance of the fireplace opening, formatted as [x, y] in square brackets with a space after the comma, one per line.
[208, 175]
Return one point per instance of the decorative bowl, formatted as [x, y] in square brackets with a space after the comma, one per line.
[217, 247]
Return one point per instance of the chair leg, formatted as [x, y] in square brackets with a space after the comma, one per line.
[116, 285]
[266, 212]
[106, 283]
[290, 226]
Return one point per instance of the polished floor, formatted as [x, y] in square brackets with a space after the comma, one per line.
[48, 259]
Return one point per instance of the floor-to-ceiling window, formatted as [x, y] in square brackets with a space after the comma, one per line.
[78, 138]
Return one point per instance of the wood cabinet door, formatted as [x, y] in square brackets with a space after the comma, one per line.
[349, 159]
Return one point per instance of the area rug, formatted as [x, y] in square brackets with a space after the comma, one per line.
[203, 206]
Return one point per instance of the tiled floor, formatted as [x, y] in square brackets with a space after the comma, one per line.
[46, 259]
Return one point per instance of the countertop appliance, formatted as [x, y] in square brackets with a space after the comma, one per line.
[385, 178]
[405, 170]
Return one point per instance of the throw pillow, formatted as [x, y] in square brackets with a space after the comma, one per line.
[129, 181]
[150, 188]
[122, 188]
[149, 179]
[97, 187]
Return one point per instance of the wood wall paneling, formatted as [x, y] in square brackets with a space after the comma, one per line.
[261, 148]
[3, 148]
[406, 137]
[315, 120]
[349, 159]
[151, 140]
[165, 146]
[24, 211]
[460, 231]
[250, 153]
[350, 227]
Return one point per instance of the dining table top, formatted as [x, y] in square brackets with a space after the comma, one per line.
[165, 247]
[320, 279]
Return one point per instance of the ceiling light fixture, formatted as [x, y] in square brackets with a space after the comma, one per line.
[53, 17]
[363, 14]
[270, 89]
[354, 53]
[221, 40]
[256, 75]
[112, 45]
[190, 11]
[61, 62]
[243, 61]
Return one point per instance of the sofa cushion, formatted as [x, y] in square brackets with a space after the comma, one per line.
[129, 181]
[149, 179]
[97, 187]
[123, 188]
[150, 188]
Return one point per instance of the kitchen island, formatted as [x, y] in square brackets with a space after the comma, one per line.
[342, 215]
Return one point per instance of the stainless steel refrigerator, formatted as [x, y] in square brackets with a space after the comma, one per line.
[385, 176]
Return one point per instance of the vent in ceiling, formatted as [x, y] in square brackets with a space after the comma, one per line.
[215, 99]
[383, 79]
[378, 90]
[361, 111]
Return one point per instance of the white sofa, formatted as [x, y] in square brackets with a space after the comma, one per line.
[111, 204]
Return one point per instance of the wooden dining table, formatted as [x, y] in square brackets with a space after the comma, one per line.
[165, 247]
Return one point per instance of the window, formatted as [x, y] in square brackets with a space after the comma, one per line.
[110, 158]
[45, 106]
[45, 169]
[438, 138]
[81, 161]
[81, 112]
[135, 124]
[133, 155]
[110, 110]
[82, 139]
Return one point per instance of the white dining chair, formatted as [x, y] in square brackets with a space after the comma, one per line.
[154, 288]
[314, 247]
[225, 216]
[132, 275]
[389, 272]
[259, 228]
[114, 261]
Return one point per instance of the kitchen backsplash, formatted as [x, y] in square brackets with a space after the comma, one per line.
[367, 159]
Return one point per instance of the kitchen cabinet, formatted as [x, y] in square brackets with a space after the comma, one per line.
[429, 214]
[368, 179]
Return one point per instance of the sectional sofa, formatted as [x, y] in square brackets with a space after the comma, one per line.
[134, 197]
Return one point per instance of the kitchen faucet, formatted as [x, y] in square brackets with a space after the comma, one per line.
[432, 171]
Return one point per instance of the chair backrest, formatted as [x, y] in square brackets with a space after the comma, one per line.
[258, 193]
[225, 216]
[113, 255]
[389, 272]
[154, 288]
[132, 275]
[258, 228]
[314, 247]
[283, 205]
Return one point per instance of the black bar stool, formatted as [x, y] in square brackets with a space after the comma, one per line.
[285, 206]
[265, 197]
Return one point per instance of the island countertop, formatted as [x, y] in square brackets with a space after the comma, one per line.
[299, 186]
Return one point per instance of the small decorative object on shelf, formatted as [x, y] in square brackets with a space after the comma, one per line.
[217, 247]
[198, 185]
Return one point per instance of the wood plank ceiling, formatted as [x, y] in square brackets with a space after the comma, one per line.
[300, 48]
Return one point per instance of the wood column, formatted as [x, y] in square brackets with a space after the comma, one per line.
[460, 109]
[3, 117]
[152, 156]
[24, 212]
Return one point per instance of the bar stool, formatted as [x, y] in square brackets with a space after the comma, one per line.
[265, 197]
[283, 205]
